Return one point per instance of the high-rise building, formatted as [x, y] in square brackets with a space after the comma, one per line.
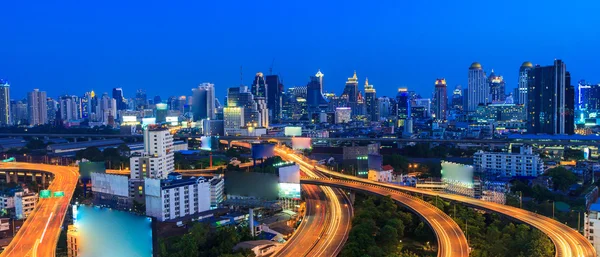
[107, 109]
[233, 120]
[402, 104]
[141, 101]
[263, 112]
[274, 94]
[457, 98]
[117, 94]
[259, 86]
[314, 93]
[440, 100]
[547, 106]
[351, 89]
[18, 112]
[497, 88]
[203, 103]
[38, 109]
[157, 161]
[4, 104]
[157, 99]
[52, 108]
[161, 112]
[479, 91]
[372, 107]
[522, 93]
[241, 97]
[70, 108]
[385, 107]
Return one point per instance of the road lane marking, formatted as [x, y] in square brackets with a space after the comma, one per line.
[48, 222]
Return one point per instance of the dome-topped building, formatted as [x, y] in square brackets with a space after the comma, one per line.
[527, 65]
[475, 65]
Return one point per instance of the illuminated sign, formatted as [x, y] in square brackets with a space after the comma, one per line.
[300, 143]
[172, 119]
[59, 194]
[129, 119]
[148, 121]
[289, 190]
[293, 131]
[457, 174]
[161, 106]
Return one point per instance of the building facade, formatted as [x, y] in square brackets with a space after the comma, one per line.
[522, 164]
[522, 90]
[157, 160]
[203, 102]
[440, 100]
[175, 197]
[5, 104]
[38, 110]
[479, 91]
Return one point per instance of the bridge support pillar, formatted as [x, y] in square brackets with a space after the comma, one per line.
[7, 174]
[33, 177]
[16, 177]
[228, 144]
[44, 179]
[75, 140]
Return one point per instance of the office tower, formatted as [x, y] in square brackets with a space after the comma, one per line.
[157, 99]
[117, 94]
[259, 87]
[351, 89]
[402, 100]
[515, 95]
[233, 120]
[372, 108]
[4, 104]
[314, 93]
[70, 108]
[457, 98]
[38, 110]
[547, 106]
[241, 97]
[588, 97]
[203, 103]
[161, 112]
[18, 112]
[440, 100]
[425, 103]
[385, 107]
[157, 159]
[52, 108]
[141, 101]
[569, 105]
[523, 81]
[479, 91]
[274, 94]
[497, 88]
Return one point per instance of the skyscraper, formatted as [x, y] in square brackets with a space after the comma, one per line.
[479, 91]
[402, 100]
[314, 93]
[70, 108]
[522, 89]
[440, 100]
[549, 105]
[38, 109]
[141, 101]
[274, 94]
[497, 88]
[4, 104]
[351, 89]
[203, 102]
[117, 94]
[259, 87]
[371, 104]
[385, 107]
[18, 112]
[52, 108]
[457, 98]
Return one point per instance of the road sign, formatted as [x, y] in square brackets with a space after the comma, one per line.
[59, 194]
[45, 194]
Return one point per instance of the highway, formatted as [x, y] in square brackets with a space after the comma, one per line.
[567, 241]
[39, 234]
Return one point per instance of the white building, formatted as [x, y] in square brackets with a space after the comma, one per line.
[263, 112]
[522, 164]
[175, 197]
[38, 109]
[233, 120]
[217, 192]
[343, 115]
[380, 175]
[157, 160]
[479, 90]
[4, 224]
[591, 226]
[7, 202]
[24, 204]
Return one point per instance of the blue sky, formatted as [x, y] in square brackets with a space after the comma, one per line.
[168, 48]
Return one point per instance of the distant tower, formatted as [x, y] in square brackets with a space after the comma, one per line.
[38, 109]
[259, 86]
[4, 104]
[440, 100]
[203, 102]
[457, 98]
[522, 89]
[351, 89]
[497, 88]
[314, 93]
[479, 91]
[274, 95]
[371, 104]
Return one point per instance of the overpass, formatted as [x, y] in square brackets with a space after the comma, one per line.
[567, 241]
[39, 234]
[451, 240]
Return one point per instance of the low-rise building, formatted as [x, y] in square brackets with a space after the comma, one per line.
[385, 174]
[25, 204]
[522, 164]
[73, 249]
[176, 197]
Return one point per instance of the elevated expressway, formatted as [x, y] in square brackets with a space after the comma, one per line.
[451, 239]
[39, 234]
[567, 241]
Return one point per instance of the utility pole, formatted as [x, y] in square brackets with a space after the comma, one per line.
[578, 221]
[553, 209]
[521, 199]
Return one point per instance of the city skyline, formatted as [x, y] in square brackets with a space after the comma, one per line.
[390, 47]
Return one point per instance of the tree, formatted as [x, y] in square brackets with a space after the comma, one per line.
[91, 153]
[398, 162]
[35, 144]
[562, 178]
[124, 150]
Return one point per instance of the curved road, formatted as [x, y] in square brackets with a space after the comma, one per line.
[567, 241]
[39, 234]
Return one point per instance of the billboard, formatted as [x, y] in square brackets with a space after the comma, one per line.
[292, 131]
[148, 121]
[263, 150]
[206, 143]
[173, 120]
[289, 172]
[458, 174]
[129, 119]
[300, 143]
[251, 185]
[289, 190]
[110, 184]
